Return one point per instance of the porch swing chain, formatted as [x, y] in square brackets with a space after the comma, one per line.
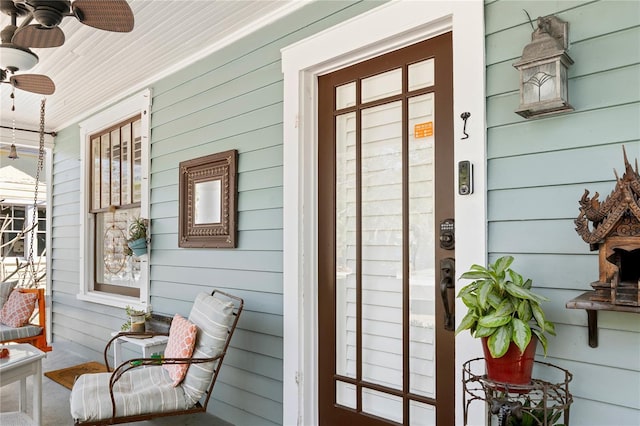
[34, 215]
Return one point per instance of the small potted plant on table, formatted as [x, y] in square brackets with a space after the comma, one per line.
[507, 316]
[136, 320]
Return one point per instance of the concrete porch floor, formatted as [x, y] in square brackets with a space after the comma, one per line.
[55, 397]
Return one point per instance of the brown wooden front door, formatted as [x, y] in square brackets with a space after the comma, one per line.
[385, 185]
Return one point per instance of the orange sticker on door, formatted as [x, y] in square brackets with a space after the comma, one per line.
[423, 130]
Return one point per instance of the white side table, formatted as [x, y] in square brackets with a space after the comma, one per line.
[24, 360]
[148, 346]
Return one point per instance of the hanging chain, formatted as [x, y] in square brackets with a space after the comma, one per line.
[13, 119]
[34, 214]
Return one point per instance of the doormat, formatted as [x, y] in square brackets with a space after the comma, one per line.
[67, 376]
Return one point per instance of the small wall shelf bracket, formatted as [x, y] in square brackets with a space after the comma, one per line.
[584, 301]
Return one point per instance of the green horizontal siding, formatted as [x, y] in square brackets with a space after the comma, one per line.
[537, 171]
[576, 130]
[232, 99]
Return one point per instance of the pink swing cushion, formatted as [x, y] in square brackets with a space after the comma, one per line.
[17, 311]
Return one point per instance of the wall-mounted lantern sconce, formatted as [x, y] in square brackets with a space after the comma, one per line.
[543, 70]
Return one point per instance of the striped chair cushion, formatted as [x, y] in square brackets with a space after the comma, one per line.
[213, 317]
[12, 333]
[139, 391]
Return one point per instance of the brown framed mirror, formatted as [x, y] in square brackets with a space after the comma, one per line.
[207, 204]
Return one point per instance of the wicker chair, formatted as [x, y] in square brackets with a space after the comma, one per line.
[140, 389]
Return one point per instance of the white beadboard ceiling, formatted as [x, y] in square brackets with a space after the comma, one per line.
[94, 67]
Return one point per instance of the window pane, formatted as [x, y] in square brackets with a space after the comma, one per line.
[382, 85]
[18, 218]
[42, 231]
[137, 161]
[421, 74]
[105, 145]
[17, 248]
[42, 219]
[95, 175]
[42, 243]
[113, 266]
[125, 136]
[115, 167]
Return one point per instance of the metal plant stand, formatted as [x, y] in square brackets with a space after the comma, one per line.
[539, 403]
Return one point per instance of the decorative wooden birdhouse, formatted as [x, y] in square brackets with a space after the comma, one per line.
[613, 228]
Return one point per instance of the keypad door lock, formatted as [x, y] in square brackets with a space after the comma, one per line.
[447, 234]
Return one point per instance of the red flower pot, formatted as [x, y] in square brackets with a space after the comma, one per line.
[514, 367]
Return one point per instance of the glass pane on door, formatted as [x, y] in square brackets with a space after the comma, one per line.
[381, 203]
[422, 74]
[346, 245]
[421, 414]
[421, 246]
[382, 405]
[382, 85]
[346, 394]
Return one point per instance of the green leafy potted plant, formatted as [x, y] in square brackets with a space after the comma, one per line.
[535, 415]
[137, 240]
[136, 320]
[506, 315]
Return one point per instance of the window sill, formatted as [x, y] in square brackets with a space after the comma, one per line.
[112, 300]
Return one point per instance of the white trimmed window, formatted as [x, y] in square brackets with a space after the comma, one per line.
[115, 158]
[18, 218]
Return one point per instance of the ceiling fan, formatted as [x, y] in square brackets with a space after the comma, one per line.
[39, 29]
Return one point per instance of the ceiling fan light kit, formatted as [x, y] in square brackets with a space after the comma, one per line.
[14, 57]
[39, 29]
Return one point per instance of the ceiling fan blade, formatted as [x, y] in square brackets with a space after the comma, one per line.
[34, 83]
[38, 36]
[108, 15]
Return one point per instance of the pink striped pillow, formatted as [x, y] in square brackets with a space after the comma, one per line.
[182, 339]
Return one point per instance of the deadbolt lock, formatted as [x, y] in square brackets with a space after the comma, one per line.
[447, 234]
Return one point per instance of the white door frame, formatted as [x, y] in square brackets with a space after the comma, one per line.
[389, 27]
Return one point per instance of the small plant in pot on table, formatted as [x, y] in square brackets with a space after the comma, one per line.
[507, 316]
[136, 320]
